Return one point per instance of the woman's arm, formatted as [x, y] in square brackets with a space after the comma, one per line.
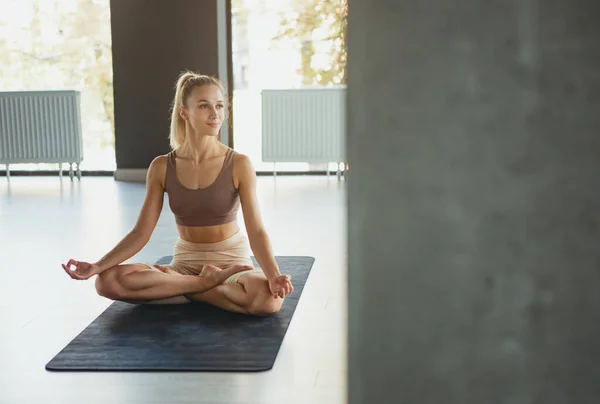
[137, 238]
[259, 240]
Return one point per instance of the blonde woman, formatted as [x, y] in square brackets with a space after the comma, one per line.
[206, 183]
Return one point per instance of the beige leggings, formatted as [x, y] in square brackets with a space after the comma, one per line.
[189, 258]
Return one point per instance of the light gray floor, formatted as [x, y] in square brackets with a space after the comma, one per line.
[44, 222]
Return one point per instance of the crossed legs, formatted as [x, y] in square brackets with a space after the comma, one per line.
[249, 295]
[136, 283]
[139, 283]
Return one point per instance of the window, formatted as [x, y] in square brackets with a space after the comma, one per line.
[63, 45]
[282, 44]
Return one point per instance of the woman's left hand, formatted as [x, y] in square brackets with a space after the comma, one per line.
[281, 286]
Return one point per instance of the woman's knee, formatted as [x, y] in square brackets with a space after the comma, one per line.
[263, 303]
[109, 283]
[108, 286]
[265, 307]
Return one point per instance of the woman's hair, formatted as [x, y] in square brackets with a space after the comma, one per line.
[186, 82]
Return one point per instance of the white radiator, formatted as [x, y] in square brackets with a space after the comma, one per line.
[304, 125]
[40, 127]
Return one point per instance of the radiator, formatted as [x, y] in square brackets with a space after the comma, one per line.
[304, 125]
[40, 127]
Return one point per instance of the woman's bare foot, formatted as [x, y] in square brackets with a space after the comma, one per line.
[220, 275]
[211, 273]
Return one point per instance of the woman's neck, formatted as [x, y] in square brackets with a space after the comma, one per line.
[199, 148]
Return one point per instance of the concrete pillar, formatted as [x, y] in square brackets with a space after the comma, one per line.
[474, 201]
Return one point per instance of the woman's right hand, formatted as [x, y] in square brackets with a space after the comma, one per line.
[83, 270]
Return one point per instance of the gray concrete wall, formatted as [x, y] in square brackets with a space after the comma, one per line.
[474, 201]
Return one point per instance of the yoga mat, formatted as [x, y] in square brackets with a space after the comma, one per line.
[183, 337]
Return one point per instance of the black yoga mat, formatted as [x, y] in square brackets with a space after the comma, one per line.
[183, 337]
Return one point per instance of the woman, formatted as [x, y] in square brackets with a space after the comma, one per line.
[206, 183]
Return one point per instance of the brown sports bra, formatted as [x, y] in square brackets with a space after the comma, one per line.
[213, 205]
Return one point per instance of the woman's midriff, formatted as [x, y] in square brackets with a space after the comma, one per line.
[208, 234]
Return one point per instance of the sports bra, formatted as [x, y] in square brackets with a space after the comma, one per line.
[213, 205]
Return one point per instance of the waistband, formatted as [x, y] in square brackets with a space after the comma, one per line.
[238, 238]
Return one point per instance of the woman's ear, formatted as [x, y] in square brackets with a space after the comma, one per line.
[182, 113]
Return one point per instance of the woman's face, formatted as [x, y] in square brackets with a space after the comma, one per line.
[205, 110]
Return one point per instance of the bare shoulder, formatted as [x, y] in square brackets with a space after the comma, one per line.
[243, 170]
[160, 161]
[242, 161]
[157, 170]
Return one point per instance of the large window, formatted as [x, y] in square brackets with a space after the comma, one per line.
[279, 44]
[63, 45]
[66, 44]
